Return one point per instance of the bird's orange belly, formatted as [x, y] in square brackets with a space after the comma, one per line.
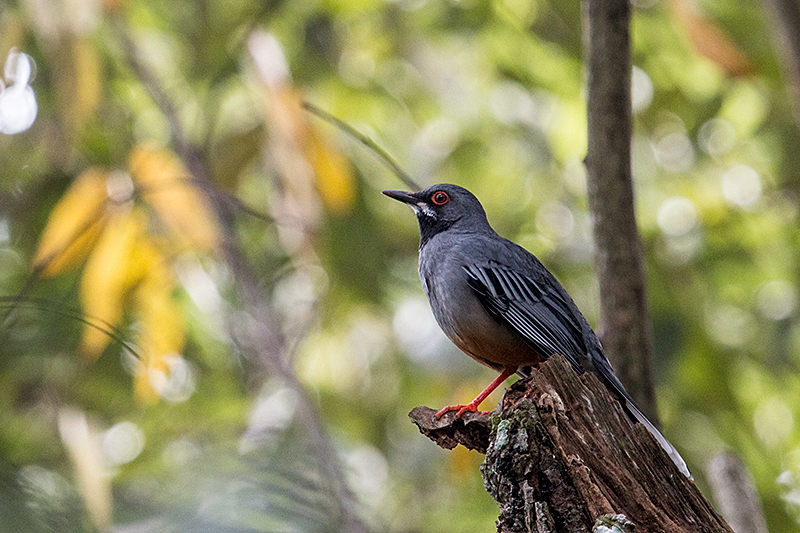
[491, 343]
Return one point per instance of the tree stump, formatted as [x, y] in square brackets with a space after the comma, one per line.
[562, 456]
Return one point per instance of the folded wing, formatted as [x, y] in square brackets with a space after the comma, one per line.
[532, 308]
[541, 315]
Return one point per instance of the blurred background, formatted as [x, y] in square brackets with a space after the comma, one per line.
[211, 317]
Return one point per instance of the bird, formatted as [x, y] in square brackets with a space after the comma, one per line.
[499, 304]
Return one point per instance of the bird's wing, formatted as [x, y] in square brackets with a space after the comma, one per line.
[532, 308]
[543, 316]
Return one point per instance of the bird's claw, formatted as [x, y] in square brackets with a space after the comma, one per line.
[461, 408]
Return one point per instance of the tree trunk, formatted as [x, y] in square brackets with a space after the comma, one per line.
[561, 456]
[785, 18]
[626, 332]
[735, 493]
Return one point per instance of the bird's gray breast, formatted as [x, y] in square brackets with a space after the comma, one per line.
[457, 310]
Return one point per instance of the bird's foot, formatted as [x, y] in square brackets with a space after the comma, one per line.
[471, 407]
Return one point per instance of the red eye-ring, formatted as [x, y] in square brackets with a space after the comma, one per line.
[440, 198]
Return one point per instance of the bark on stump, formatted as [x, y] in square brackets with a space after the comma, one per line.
[561, 456]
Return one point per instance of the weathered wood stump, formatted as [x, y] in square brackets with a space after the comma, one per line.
[562, 456]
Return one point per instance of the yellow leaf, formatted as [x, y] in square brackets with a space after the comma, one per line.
[285, 106]
[162, 323]
[163, 333]
[289, 138]
[73, 225]
[147, 261]
[334, 175]
[169, 188]
[110, 272]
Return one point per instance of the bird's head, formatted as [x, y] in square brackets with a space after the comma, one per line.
[443, 207]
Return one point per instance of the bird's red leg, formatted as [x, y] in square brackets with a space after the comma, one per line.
[473, 405]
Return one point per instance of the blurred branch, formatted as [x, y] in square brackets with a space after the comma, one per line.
[562, 456]
[12, 303]
[156, 90]
[626, 333]
[260, 336]
[785, 15]
[735, 494]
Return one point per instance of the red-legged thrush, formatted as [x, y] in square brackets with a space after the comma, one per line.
[498, 303]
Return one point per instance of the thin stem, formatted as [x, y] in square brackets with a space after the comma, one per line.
[383, 156]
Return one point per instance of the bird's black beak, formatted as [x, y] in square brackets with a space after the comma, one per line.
[401, 196]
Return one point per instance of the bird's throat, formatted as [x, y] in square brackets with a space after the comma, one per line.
[429, 227]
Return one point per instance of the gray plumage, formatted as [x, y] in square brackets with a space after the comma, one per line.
[497, 302]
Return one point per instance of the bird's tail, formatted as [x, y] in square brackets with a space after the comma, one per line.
[603, 369]
[662, 440]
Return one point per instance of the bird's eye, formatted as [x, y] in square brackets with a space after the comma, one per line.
[440, 198]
